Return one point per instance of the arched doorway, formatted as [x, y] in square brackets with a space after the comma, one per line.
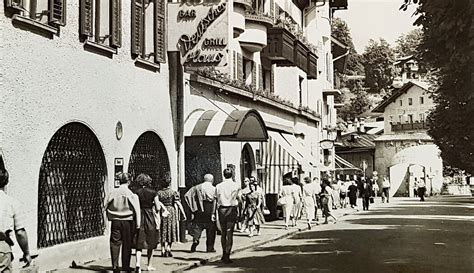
[71, 187]
[149, 156]
[247, 162]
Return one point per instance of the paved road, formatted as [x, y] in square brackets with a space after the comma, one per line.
[436, 236]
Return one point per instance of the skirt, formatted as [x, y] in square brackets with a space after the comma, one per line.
[148, 235]
[255, 216]
[169, 226]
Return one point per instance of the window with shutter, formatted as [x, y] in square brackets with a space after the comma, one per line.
[137, 27]
[160, 43]
[57, 12]
[116, 23]
[86, 17]
[254, 74]
[240, 67]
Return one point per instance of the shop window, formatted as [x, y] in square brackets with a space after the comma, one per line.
[50, 14]
[148, 30]
[100, 23]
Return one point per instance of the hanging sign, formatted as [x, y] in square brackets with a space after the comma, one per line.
[199, 31]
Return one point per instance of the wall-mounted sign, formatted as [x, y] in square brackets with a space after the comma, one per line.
[118, 168]
[199, 31]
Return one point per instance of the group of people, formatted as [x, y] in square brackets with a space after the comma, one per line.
[308, 197]
[141, 218]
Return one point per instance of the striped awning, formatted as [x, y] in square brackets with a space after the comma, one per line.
[343, 165]
[238, 125]
[281, 155]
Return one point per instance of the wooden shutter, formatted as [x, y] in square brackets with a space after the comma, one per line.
[116, 23]
[272, 9]
[57, 12]
[137, 26]
[260, 77]
[86, 9]
[17, 4]
[160, 43]
[240, 67]
[235, 74]
[254, 74]
[272, 80]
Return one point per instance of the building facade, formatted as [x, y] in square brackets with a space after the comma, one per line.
[83, 96]
[405, 153]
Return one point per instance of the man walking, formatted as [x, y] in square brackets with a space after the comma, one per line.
[123, 210]
[385, 190]
[228, 195]
[205, 195]
[10, 220]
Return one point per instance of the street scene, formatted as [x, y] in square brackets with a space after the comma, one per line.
[236, 136]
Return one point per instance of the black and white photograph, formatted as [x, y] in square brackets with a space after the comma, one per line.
[265, 136]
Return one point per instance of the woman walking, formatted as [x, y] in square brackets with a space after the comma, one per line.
[243, 221]
[309, 199]
[287, 200]
[326, 200]
[148, 234]
[253, 210]
[298, 195]
[169, 225]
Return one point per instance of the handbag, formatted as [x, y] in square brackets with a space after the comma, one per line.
[371, 200]
[266, 211]
[282, 201]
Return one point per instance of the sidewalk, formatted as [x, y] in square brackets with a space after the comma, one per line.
[183, 259]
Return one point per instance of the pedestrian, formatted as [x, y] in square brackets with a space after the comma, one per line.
[202, 216]
[11, 220]
[375, 187]
[253, 209]
[343, 194]
[421, 189]
[415, 187]
[228, 194]
[287, 200]
[336, 192]
[169, 225]
[317, 203]
[309, 199]
[366, 195]
[243, 221]
[298, 195]
[352, 189]
[148, 233]
[326, 200]
[385, 190]
[123, 210]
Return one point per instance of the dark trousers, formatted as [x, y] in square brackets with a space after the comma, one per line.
[121, 236]
[385, 194]
[365, 202]
[421, 193]
[196, 231]
[227, 219]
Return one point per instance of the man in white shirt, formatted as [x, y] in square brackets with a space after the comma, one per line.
[203, 216]
[228, 195]
[11, 220]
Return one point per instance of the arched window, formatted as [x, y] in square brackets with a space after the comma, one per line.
[149, 156]
[71, 187]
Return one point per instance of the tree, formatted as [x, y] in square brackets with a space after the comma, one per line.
[408, 44]
[378, 61]
[447, 46]
[340, 30]
[356, 105]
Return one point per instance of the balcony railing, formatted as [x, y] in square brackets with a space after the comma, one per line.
[419, 125]
[280, 46]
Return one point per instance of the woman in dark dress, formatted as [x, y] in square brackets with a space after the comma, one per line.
[169, 225]
[148, 234]
[353, 194]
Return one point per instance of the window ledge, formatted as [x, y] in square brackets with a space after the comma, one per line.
[36, 24]
[102, 48]
[147, 64]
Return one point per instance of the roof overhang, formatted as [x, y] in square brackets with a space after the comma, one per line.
[238, 125]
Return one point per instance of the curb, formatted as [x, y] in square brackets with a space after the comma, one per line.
[243, 248]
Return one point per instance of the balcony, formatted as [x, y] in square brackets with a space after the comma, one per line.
[280, 46]
[301, 54]
[254, 39]
[413, 126]
[312, 65]
[238, 20]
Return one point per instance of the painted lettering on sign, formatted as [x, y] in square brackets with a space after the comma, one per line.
[198, 57]
[186, 15]
[214, 43]
[186, 42]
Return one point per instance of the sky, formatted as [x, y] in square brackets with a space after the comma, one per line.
[374, 19]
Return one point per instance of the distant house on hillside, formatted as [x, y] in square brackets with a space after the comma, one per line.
[405, 152]
[408, 69]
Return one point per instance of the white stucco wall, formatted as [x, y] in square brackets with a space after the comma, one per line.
[47, 83]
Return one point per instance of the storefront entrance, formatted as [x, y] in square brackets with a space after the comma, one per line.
[71, 187]
[247, 162]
